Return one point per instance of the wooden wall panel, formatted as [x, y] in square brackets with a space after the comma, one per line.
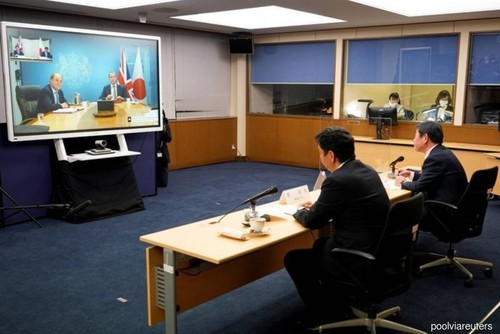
[200, 142]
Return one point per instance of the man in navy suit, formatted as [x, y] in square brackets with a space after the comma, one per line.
[354, 198]
[51, 96]
[113, 91]
[442, 177]
[46, 53]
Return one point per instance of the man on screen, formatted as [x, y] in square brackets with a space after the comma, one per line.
[46, 53]
[113, 91]
[51, 96]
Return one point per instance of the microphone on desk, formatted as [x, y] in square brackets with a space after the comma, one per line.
[267, 192]
[78, 208]
[392, 174]
[253, 199]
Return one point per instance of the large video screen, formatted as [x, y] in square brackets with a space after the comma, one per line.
[65, 82]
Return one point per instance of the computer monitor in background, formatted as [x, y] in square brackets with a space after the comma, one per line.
[381, 116]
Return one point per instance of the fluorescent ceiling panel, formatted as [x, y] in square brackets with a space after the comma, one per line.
[113, 4]
[259, 18]
[431, 7]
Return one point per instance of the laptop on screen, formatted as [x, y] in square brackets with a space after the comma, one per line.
[105, 105]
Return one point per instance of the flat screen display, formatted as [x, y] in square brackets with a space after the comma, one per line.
[84, 61]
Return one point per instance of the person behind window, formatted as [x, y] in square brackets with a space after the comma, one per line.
[442, 177]
[354, 198]
[51, 96]
[395, 102]
[113, 91]
[443, 104]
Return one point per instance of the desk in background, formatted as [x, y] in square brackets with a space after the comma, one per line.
[85, 119]
[214, 264]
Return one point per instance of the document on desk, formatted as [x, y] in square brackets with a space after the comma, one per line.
[67, 110]
[391, 185]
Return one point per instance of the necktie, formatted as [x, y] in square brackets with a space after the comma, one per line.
[114, 92]
[56, 97]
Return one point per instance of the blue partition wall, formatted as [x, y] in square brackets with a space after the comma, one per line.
[415, 60]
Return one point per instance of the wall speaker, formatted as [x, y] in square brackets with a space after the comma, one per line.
[240, 45]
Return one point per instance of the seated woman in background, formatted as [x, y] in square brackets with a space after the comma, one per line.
[395, 102]
[443, 104]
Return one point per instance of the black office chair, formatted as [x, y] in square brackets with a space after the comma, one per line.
[27, 100]
[487, 112]
[385, 273]
[454, 223]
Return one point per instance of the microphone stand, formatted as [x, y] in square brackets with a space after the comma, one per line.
[392, 174]
[22, 208]
[253, 211]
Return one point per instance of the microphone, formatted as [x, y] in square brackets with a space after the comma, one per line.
[399, 159]
[251, 200]
[267, 192]
[78, 208]
[392, 174]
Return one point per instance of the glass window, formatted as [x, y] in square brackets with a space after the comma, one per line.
[483, 91]
[292, 78]
[420, 70]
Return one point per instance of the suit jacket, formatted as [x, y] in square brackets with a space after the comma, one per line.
[120, 90]
[353, 197]
[46, 101]
[47, 54]
[442, 178]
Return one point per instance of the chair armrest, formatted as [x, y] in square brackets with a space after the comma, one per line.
[439, 203]
[444, 215]
[355, 252]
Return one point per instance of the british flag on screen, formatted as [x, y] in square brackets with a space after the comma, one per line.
[124, 75]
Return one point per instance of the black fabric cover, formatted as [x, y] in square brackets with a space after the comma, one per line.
[109, 183]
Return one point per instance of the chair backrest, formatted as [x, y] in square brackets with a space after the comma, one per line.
[396, 246]
[474, 202]
[27, 100]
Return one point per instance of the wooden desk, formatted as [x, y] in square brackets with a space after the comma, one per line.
[215, 264]
[127, 115]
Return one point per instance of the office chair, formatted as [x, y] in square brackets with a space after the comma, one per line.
[453, 224]
[27, 100]
[385, 273]
[487, 112]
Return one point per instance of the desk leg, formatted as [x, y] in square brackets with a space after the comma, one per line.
[169, 266]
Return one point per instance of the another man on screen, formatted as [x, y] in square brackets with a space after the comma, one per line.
[443, 104]
[113, 91]
[51, 96]
[442, 177]
[354, 198]
[46, 53]
[17, 52]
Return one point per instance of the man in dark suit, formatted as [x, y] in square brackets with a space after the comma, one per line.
[442, 177]
[113, 91]
[46, 53]
[51, 96]
[354, 198]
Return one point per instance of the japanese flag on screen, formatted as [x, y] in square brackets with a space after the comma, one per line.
[138, 79]
[40, 47]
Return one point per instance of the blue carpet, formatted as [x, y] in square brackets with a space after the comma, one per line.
[66, 278]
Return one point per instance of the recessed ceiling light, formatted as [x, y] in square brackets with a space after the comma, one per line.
[431, 7]
[259, 18]
[113, 4]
